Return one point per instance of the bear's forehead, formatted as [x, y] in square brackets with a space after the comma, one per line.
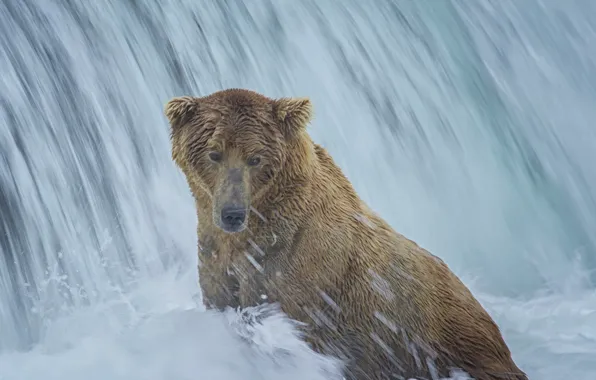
[243, 130]
[244, 119]
[238, 109]
[243, 135]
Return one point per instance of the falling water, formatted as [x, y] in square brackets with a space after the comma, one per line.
[467, 124]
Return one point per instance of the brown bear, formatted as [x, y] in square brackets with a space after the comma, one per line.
[280, 223]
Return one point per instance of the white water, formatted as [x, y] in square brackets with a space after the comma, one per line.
[469, 126]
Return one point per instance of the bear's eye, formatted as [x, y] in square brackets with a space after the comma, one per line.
[253, 161]
[215, 156]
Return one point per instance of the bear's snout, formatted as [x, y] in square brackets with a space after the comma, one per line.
[233, 218]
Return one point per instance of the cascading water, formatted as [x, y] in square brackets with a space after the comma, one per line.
[467, 124]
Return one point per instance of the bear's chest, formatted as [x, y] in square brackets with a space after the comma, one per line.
[240, 273]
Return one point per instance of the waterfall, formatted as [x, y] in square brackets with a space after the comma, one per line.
[468, 125]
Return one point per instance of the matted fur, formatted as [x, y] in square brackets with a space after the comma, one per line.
[366, 293]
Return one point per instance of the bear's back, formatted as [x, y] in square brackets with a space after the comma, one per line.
[396, 296]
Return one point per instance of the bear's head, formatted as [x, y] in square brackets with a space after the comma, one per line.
[231, 145]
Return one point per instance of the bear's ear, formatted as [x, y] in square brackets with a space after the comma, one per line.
[181, 110]
[292, 114]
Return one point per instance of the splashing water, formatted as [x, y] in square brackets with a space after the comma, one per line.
[467, 125]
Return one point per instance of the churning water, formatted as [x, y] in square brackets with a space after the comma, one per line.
[469, 125]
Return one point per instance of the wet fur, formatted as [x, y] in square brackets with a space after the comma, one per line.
[367, 293]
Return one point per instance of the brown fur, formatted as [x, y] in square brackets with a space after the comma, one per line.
[367, 293]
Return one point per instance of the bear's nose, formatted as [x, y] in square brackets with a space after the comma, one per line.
[233, 216]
